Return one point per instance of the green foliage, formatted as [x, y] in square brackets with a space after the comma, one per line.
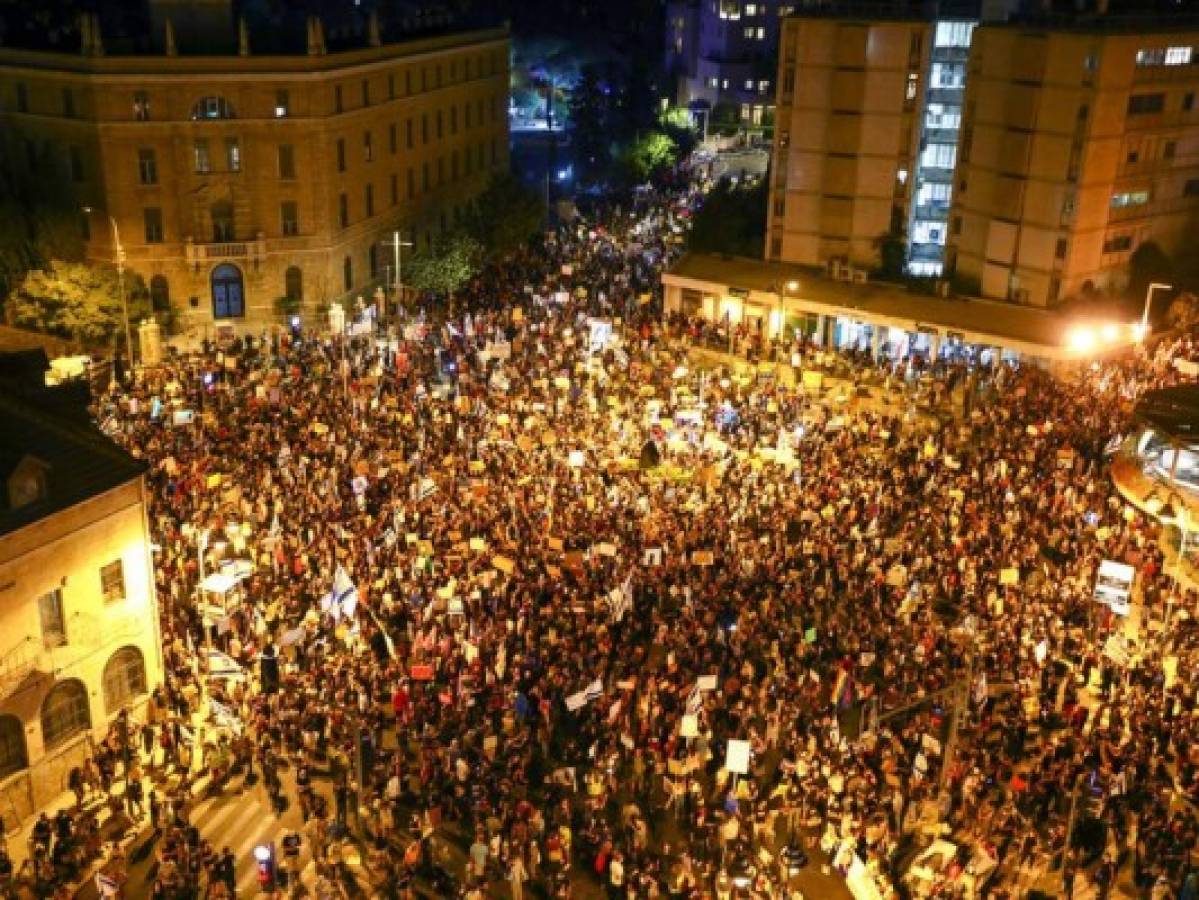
[649, 155]
[678, 125]
[505, 216]
[78, 301]
[731, 220]
[447, 267]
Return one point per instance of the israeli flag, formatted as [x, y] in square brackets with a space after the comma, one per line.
[344, 594]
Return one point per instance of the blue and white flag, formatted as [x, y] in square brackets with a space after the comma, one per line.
[344, 595]
[225, 717]
[221, 665]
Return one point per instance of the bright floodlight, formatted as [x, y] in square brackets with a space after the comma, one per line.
[1081, 340]
[1110, 332]
[793, 285]
[262, 853]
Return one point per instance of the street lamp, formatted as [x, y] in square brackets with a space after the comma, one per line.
[1153, 286]
[790, 286]
[119, 259]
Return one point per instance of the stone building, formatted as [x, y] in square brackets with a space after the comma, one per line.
[229, 178]
[79, 630]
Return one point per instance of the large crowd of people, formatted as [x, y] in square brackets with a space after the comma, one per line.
[604, 620]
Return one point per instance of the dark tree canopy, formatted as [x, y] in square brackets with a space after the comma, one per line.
[732, 220]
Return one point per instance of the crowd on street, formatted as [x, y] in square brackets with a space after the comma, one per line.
[526, 606]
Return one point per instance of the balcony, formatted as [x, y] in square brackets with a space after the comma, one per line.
[200, 253]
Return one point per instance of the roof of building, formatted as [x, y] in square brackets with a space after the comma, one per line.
[49, 425]
[1007, 322]
[1172, 411]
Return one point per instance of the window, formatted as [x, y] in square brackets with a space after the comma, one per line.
[232, 155]
[368, 152]
[408, 134]
[934, 193]
[1133, 157]
[22, 97]
[337, 99]
[940, 115]
[287, 162]
[289, 219]
[124, 679]
[1178, 56]
[282, 104]
[439, 131]
[939, 156]
[751, 9]
[54, 621]
[913, 85]
[347, 273]
[369, 199]
[147, 166]
[392, 143]
[1168, 149]
[200, 160]
[76, 160]
[453, 120]
[152, 219]
[212, 108]
[466, 116]
[760, 34]
[12, 746]
[341, 154]
[1130, 198]
[440, 170]
[1168, 56]
[372, 259]
[1059, 251]
[424, 176]
[749, 32]
[343, 210]
[424, 128]
[1118, 244]
[141, 106]
[293, 284]
[1191, 188]
[68, 103]
[948, 75]
[749, 84]
[366, 93]
[763, 86]
[954, 34]
[222, 221]
[160, 294]
[112, 581]
[64, 713]
[1142, 104]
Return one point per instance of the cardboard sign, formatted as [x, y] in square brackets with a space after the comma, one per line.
[736, 758]
[421, 672]
[1113, 586]
[1009, 576]
[504, 564]
[689, 727]
[703, 558]
[705, 683]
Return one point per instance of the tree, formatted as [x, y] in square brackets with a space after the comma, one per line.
[1148, 264]
[78, 301]
[588, 115]
[447, 267]
[649, 155]
[505, 216]
[731, 220]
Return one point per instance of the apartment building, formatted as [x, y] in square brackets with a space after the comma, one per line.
[78, 615]
[230, 180]
[721, 54]
[1078, 145]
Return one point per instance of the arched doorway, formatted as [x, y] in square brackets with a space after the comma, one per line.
[124, 679]
[65, 713]
[160, 294]
[228, 300]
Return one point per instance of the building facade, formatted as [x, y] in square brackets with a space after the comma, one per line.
[229, 182]
[1018, 159]
[846, 143]
[78, 612]
[1077, 146]
[721, 55]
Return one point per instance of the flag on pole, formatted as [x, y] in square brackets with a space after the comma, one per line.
[343, 596]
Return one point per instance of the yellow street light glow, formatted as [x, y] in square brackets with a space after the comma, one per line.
[1139, 332]
[1081, 340]
[1110, 332]
[793, 285]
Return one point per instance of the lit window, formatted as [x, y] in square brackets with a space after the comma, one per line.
[282, 104]
[954, 34]
[725, 84]
[749, 32]
[1129, 198]
[761, 34]
[212, 108]
[1178, 56]
[112, 581]
[749, 84]
[913, 82]
[763, 87]
[751, 9]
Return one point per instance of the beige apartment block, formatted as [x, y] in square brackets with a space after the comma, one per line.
[79, 633]
[235, 180]
[847, 135]
[1077, 146]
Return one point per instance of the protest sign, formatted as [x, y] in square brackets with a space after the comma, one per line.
[737, 757]
[1113, 586]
